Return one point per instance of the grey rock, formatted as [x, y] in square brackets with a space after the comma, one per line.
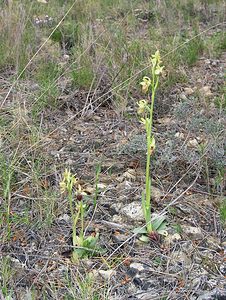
[188, 91]
[213, 243]
[120, 238]
[117, 207]
[137, 266]
[183, 97]
[216, 294]
[107, 274]
[64, 217]
[179, 258]
[171, 239]
[147, 295]
[223, 269]
[192, 232]
[187, 246]
[133, 211]
[156, 193]
[118, 219]
[184, 208]
[124, 185]
[179, 135]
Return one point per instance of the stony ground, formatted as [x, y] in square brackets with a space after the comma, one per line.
[189, 263]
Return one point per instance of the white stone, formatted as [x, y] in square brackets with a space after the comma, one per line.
[193, 143]
[188, 91]
[137, 266]
[183, 96]
[134, 211]
[179, 135]
[107, 274]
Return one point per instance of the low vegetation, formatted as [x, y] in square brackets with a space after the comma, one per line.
[70, 103]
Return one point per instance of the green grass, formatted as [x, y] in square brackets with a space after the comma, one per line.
[216, 44]
[85, 288]
[124, 41]
[6, 274]
[192, 51]
[46, 74]
[6, 176]
[82, 77]
[223, 212]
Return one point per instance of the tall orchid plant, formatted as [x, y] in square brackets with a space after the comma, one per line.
[145, 111]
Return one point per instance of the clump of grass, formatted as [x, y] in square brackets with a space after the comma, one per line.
[191, 52]
[46, 74]
[188, 54]
[85, 286]
[6, 176]
[82, 77]
[6, 274]
[67, 35]
[216, 44]
[17, 37]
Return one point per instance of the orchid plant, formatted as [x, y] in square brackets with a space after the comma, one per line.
[145, 111]
[83, 246]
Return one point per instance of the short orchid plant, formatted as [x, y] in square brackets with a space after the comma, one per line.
[83, 245]
[145, 111]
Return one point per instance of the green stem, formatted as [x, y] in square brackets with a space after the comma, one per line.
[147, 211]
[74, 218]
[70, 198]
[74, 228]
[148, 185]
[82, 220]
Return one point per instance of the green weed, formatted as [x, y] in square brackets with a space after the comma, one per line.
[220, 103]
[219, 179]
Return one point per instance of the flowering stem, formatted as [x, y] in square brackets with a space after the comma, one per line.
[81, 210]
[73, 216]
[147, 211]
[146, 109]
[74, 229]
